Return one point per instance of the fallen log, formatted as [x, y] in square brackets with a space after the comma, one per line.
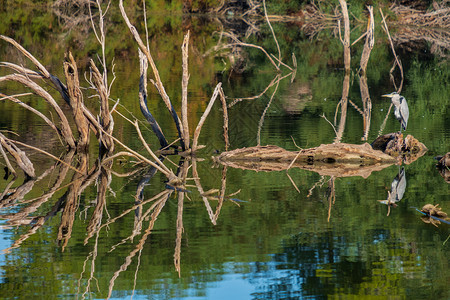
[340, 160]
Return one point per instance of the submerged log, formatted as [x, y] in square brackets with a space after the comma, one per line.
[340, 160]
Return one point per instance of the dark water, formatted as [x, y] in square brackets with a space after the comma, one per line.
[331, 239]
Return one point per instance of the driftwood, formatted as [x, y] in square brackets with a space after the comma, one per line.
[443, 161]
[76, 101]
[406, 149]
[439, 17]
[433, 210]
[434, 215]
[340, 160]
[106, 119]
[443, 166]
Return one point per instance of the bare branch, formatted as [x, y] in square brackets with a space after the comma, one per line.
[203, 118]
[184, 90]
[158, 82]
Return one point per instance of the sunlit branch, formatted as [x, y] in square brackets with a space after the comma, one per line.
[225, 118]
[184, 90]
[204, 116]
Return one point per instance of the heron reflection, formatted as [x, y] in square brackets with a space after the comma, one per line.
[401, 110]
[398, 187]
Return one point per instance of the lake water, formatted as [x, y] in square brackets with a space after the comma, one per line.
[332, 238]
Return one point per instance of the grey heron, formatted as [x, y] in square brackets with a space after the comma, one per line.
[401, 110]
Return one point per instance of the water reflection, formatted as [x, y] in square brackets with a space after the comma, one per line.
[398, 187]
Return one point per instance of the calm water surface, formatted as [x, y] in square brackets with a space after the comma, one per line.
[332, 238]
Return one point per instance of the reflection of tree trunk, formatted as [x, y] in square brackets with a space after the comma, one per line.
[331, 195]
[367, 105]
[138, 216]
[182, 173]
[261, 120]
[103, 182]
[222, 194]
[71, 205]
[177, 254]
[20, 217]
[202, 192]
[158, 206]
[343, 103]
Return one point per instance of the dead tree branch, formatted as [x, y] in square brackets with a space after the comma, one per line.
[158, 83]
[76, 101]
[143, 63]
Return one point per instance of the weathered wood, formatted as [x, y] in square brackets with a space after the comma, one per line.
[326, 153]
[20, 157]
[443, 166]
[434, 210]
[338, 160]
[158, 83]
[444, 161]
[367, 105]
[76, 101]
[45, 74]
[65, 127]
[184, 90]
[204, 116]
[225, 119]
[370, 41]
[346, 41]
[405, 150]
[71, 201]
[143, 63]
[106, 120]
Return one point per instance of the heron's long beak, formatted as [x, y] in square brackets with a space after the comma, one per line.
[387, 95]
